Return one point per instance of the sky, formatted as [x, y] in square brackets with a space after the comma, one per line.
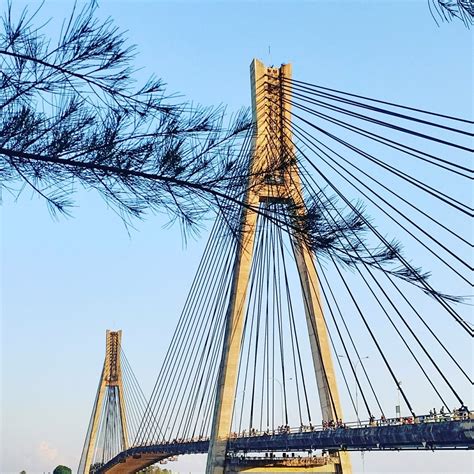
[65, 281]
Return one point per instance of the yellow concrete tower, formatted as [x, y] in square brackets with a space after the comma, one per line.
[110, 379]
[272, 116]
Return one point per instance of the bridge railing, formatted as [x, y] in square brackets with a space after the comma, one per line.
[408, 420]
[430, 418]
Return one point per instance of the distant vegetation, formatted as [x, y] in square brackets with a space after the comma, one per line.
[155, 470]
[62, 470]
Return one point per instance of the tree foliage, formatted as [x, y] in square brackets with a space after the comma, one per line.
[62, 470]
[72, 115]
[448, 10]
[155, 470]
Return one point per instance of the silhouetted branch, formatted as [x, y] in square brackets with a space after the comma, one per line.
[71, 115]
[448, 10]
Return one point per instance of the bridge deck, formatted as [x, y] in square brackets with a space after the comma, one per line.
[458, 434]
[135, 463]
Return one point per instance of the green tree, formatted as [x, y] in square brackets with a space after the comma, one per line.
[155, 470]
[62, 470]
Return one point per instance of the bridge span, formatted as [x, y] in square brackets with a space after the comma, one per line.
[454, 434]
[262, 338]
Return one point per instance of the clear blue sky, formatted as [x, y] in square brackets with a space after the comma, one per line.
[65, 282]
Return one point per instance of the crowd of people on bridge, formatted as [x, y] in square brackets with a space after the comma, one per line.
[333, 424]
[456, 414]
[461, 413]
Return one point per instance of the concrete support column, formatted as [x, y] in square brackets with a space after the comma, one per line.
[273, 177]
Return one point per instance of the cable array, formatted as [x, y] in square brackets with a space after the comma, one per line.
[410, 168]
[135, 400]
[182, 400]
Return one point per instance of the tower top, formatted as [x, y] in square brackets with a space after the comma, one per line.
[112, 357]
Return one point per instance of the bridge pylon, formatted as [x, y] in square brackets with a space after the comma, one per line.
[272, 116]
[108, 411]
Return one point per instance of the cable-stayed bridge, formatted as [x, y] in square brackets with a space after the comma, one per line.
[268, 368]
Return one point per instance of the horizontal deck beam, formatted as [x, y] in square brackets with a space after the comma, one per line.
[446, 435]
